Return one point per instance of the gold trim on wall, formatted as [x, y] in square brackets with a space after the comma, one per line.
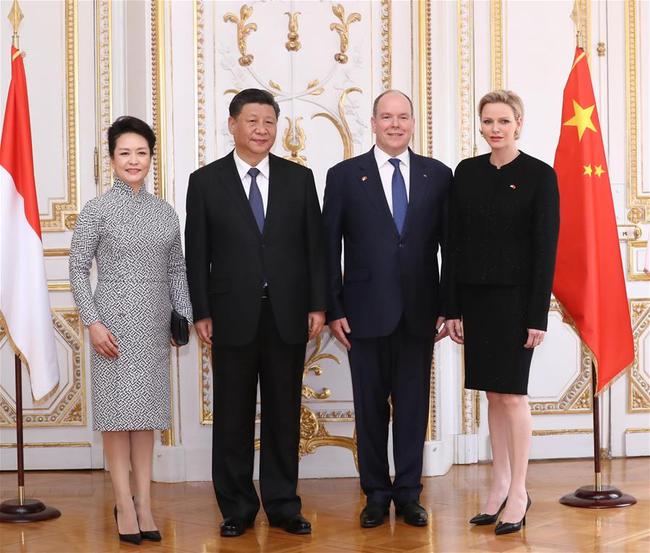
[638, 205]
[562, 432]
[386, 45]
[496, 43]
[70, 204]
[56, 252]
[158, 97]
[67, 407]
[465, 53]
[424, 75]
[9, 445]
[104, 92]
[638, 395]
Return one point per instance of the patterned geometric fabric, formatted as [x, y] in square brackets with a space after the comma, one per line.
[135, 239]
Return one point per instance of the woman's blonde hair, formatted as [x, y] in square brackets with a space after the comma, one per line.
[503, 97]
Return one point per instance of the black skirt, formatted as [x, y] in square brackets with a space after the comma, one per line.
[495, 333]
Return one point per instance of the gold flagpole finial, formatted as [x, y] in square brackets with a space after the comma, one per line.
[15, 18]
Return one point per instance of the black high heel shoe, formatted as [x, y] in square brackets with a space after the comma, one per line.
[511, 527]
[151, 535]
[135, 539]
[483, 518]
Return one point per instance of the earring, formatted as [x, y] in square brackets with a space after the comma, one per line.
[516, 135]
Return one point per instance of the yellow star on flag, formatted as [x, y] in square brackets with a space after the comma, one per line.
[588, 170]
[581, 119]
[599, 170]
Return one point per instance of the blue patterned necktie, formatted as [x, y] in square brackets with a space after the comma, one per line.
[400, 200]
[255, 199]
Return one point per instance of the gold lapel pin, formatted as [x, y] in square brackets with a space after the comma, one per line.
[364, 178]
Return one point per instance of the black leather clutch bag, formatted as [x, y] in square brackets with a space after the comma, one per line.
[180, 329]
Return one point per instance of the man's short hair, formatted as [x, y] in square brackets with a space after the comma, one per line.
[252, 96]
[376, 102]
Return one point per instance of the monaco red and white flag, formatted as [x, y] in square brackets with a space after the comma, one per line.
[24, 299]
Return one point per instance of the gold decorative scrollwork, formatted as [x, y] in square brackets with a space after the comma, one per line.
[243, 30]
[465, 46]
[496, 40]
[314, 88]
[67, 404]
[314, 434]
[343, 29]
[293, 141]
[293, 44]
[638, 380]
[386, 54]
[341, 123]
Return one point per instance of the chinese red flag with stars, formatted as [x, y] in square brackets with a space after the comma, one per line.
[589, 280]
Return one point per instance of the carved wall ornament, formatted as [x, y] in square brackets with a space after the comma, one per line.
[243, 30]
[343, 29]
[639, 380]
[341, 123]
[292, 44]
[293, 141]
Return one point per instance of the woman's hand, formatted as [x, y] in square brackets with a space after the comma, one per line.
[103, 341]
[455, 329]
[535, 338]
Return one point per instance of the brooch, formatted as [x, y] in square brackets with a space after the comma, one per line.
[513, 186]
[364, 178]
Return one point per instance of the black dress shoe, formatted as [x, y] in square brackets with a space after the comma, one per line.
[483, 518]
[511, 527]
[232, 527]
[373, 515]
[414, 514]
[135, 539]
[296, 524]
[151, 535]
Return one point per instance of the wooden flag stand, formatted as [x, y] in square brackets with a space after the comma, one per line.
[21, 509]
[597, 496]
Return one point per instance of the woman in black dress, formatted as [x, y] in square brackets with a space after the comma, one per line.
[504, 221]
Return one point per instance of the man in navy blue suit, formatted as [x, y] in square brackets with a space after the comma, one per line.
[388, 207]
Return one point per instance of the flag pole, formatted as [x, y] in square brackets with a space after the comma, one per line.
[21, 509]
[597, 496]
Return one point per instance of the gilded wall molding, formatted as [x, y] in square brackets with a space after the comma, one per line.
[67, 406]
[638, 204]
[386, 45]
[496, 43]
[465, 53]
[59, 220]
[577, 397]
[199, 73]
[158, 95]
[104, 23]
[343, 30]
[424, 66]
[243, 30]
[638, 397]
[293, 38]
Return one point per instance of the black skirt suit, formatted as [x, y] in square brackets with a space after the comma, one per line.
[503, 228]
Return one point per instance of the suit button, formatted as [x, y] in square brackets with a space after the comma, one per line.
[400, 244]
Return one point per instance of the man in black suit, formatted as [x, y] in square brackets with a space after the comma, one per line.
[256, 270]
[388, 206]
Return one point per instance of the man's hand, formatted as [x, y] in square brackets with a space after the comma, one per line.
[535, 338]
[315, 322]
[339, 328]
[103, 341]
[455, 330]
[204, 330]
[441, 328]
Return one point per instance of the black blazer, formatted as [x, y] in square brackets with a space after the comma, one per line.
[228, 259]
[385, 275]
[503, 229]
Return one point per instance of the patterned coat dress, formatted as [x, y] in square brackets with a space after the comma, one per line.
[135, 238]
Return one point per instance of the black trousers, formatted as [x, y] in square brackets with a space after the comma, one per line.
[279, 367]
[395, 367]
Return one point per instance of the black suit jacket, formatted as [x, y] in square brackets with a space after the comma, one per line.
[228, 260]
[385, 275]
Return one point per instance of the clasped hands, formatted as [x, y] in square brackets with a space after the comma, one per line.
[455, 329]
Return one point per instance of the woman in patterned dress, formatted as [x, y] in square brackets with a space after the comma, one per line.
[135, 238]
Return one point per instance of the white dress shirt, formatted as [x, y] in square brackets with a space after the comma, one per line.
[262, 178]
[386, 171]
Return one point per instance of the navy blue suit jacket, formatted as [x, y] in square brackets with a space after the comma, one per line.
[386, 276]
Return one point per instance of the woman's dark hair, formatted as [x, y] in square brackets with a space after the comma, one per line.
[252, 96]
[126, 124]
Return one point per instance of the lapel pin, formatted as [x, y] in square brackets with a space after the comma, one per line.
[425, 175]
[364, 178]
[513, 186]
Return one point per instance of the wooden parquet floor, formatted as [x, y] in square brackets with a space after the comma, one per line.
[188, 517]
